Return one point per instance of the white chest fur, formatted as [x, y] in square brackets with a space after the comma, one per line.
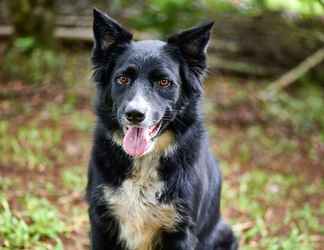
[141, 216]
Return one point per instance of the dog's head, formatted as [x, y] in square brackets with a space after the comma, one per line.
[142, 86]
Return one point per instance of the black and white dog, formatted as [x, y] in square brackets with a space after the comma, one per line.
[153, 182]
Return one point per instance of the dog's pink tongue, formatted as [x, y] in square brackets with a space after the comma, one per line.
[136, 141]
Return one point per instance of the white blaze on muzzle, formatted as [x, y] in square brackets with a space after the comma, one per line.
[137, 140]
[140, 104]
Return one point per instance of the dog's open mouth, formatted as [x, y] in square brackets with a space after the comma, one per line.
[138, 140]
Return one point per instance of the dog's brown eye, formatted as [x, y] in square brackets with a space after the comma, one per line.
[123, 80]
[164, 83]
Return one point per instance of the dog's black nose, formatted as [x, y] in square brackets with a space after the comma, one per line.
[135, 116]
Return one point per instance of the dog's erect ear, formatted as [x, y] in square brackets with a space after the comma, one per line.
[193, 42]
[107, 31]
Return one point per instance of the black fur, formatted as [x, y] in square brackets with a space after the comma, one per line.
[192, 180]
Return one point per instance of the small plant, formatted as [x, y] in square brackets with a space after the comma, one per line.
[29, 146]
[31, 229]
[25, 60]
[303, 112]
[74, 178]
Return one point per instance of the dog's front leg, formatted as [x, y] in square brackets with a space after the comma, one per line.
[103, 239]
[104, 229]
[179, 240]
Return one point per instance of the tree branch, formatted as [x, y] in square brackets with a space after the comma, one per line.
[294, 74]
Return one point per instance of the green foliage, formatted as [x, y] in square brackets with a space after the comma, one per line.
[25, 61]
[28, 145]
[25, 44]
[303, 111]
[301, 7]
[33, 18]
[7, 183]
[82, 122]
[74, 178]
[33, 228]
[304, 7]
[296, 239]
[256, 195]
[167, 15]
[30, 56]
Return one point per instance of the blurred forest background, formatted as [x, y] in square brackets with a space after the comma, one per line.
[264, 108]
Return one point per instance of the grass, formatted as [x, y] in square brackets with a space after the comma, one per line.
[270, 201]
[74, 179]
[270, 155]
[30, 147]
[36, 226]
